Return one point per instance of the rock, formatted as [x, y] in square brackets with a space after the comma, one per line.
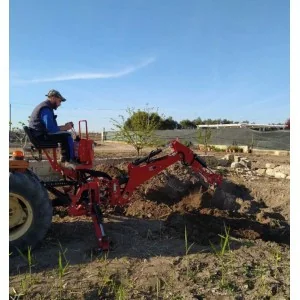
[270, 166]
[285, 169]
[270, 172]
[229, 157]
[211, 160]
[237, 158]
[288, 177]
[280, 175]
[261, 171]
[236, 165]
[223, 162]
[245, 162]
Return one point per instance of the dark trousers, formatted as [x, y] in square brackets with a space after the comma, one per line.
[66, 141]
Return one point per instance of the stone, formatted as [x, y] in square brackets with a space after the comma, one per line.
[211, 160]
[280, 175]
[236, 165]
[246, 162]
[270, 172]
[229, 157]
[288, 177]
[285, 169]
[237, 158]
[261, 171]
[223, 162]
[270, 166]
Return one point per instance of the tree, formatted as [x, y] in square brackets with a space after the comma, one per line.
[138, 129]
[203, 137]
[187, 124]
[17, 133]
[197, 121]
[169, 123]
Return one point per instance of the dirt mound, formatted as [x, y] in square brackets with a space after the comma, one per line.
[178, 196]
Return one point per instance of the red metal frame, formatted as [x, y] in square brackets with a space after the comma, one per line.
[119, 194]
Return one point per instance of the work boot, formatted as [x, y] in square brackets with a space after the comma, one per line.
[71, 164]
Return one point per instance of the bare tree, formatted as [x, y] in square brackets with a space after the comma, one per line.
[204, 137]
[17, 134]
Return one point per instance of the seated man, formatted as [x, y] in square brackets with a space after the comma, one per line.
[44, 127]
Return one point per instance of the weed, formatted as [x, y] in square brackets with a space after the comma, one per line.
[187, 247]
[261, 272]
[157, 287]
[277, 259]
[149, 234]
[27, 280]
[111, 287]
[27, 258]
[61, 267]
[120, 292]
[221, 255]
[63, 264]
[15, 295]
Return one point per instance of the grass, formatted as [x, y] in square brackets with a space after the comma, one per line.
[27, 258]
[27, 280]
[187, 250]
[221, 256]
[157, 288]
[187, 247]
[112, 287]
[277, 258]
[63, 265]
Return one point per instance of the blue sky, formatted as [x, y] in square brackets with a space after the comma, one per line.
[209, 59]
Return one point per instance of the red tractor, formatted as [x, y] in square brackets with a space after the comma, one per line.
[84, 189]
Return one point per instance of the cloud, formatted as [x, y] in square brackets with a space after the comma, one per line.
[85, 76]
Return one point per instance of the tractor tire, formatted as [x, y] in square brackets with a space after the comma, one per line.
[30, 211]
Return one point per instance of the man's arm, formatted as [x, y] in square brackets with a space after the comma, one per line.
[66, 127]
[47, 118]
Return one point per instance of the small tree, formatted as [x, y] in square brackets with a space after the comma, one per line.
[204, 137]
[138, 129]
[17, 133]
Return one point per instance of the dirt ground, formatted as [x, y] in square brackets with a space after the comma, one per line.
[173, 241]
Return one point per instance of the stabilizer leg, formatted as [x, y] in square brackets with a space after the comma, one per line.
[102, 238]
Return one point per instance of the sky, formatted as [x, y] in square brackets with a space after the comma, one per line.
[187, 59]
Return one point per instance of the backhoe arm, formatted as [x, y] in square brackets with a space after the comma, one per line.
[147, 167]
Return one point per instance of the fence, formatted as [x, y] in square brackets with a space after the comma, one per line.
[275, 140]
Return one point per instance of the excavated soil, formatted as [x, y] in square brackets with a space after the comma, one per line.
[170, 243]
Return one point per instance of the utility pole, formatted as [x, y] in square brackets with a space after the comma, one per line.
[9, 116]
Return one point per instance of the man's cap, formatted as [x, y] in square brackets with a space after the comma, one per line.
[55, 93]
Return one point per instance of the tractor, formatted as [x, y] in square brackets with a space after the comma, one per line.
[82, 190]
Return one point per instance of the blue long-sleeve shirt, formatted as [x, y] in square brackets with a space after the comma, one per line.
[47, 118]
[51, 125]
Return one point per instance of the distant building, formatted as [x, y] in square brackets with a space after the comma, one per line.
[260, 127]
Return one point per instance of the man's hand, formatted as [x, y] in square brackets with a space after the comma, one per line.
[69, 125]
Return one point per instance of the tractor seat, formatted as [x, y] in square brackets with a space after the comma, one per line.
[38, 144]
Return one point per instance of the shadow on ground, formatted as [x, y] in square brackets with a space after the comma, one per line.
[142, 238]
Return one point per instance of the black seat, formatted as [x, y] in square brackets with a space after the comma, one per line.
[39, 144]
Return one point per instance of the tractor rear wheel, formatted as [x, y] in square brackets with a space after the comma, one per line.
[30, 211]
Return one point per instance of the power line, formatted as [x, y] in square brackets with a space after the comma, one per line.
[74, 108]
